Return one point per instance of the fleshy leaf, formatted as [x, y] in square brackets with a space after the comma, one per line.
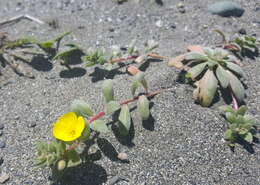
[86, 132]
[227, 108]
[236, 86]
[99, 126]
[206, 89]
[125, 118]
[229, 136]
[134, 86]
[108, 90]
[242, 110]
[231, 118]
[196, 56]
[73, 158]
[140, 77]
[112, 106]
[196, 70]
[235, 68]
[222, 76]
[248, 137]
[81, 108]
[143, 107]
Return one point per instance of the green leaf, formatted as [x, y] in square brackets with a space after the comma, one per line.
[86, 132]
[226, 108]
[99, 126]
[229, 136]
[235, 68]
[108, 90]
[249, 119]
[143, 107]
[242, 110]
[208, 51]
[236, 86]
[57, 39]
[196, 70]
[64, 54]
[73, 158]
[46, 45]
[140, 77]
[248, 137]
[81, 108]
[112, 106]
[222, 76]
[231, 118]
[125, 118]
[196, 56]
[134, 86]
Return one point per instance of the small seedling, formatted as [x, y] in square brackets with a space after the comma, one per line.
[209, 69]
[240, 125]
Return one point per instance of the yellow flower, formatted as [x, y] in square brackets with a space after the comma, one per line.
[69, 127]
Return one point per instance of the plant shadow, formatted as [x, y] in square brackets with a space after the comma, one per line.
[126, 140]
[41, 63]
[101, 74]
[250, 54]
[146, 64]
[73, 72]
[89, 173]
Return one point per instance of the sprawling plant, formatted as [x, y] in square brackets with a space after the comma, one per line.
[14, 51]
[240, 125]
[240, 45]
[81, 124]
[111, 59]
[209, 69]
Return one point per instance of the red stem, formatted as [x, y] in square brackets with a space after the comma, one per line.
[99, 115]
[234, 101]
[123, 59]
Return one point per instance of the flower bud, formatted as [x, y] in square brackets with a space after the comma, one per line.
[61, 165]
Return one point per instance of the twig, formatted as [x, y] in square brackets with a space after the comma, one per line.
[19, 18]
[115, 60]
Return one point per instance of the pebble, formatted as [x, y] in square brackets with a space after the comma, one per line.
[159, 23]
[31, 124]
[173, 26]
[226, 9]
[4, 177]
[2, 144]
[114, 180]
[2, 126]
[181, 8]
[242, 31]
[122, 156]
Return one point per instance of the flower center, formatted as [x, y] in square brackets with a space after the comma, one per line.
[72, 133]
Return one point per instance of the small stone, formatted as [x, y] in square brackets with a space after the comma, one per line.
[2, 144]
[114, 180]
[32, 124]
[159, 23]
[4, 177]
[242, 31]
[122, 156]
[173, 26]
[181, 7]
[226, 9]
[2, 126]
[111, 29]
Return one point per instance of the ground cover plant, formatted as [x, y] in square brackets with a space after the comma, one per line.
[74, 128]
